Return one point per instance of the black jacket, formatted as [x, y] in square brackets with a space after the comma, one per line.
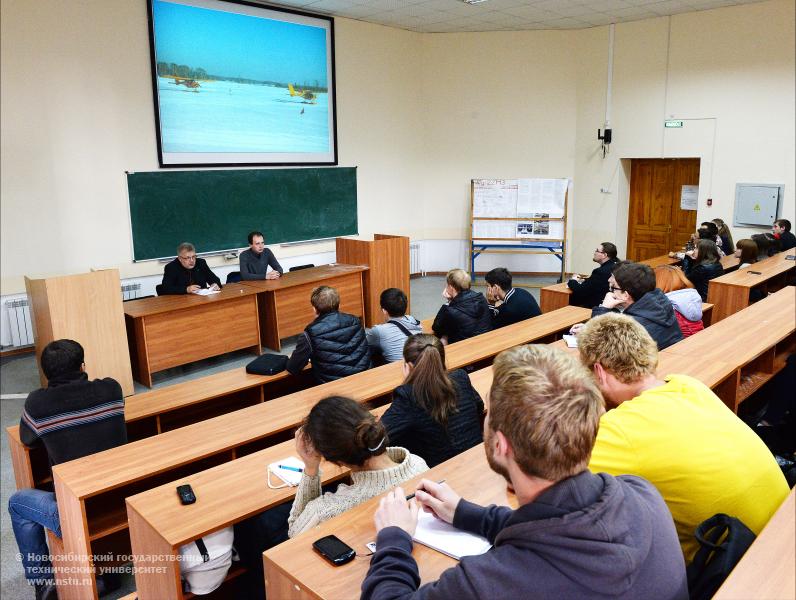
[588, 536]
[517, 306]
[654, 311]
[463, 317]
[177, 278]
[335, 343]
[74, 417]
[701, 274]
[787, 241]
[592, 291]
[411, 427]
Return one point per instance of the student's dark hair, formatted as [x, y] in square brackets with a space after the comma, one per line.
[635, 278]
[707, 252]
[704, 234]
[763, 244]
[774, 245]
[61, 357]
[394, 302]
[500, 277]
[711, 227]
[344, 431]
[748, 250]
[609, 249]
[325, 299]
[255, 234]
[784, 223]
[432, 388]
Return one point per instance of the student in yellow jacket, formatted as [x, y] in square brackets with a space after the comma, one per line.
[676, 433]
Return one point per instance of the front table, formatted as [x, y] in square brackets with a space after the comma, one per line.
[168, 331]
[284, 303]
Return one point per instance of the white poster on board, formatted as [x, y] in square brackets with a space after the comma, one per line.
[546, 196]
[688, 197]
[496, 198]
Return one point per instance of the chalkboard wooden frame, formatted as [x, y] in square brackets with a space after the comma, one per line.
[215, 210]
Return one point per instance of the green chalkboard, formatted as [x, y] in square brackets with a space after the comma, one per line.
[215, 210]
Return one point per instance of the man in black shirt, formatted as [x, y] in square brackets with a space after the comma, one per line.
[588, 293]
[255, 261]
[782, 232]
[73, 417]
[187, 274]
[508, 305]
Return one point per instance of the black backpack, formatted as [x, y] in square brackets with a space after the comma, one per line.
[267, 364]
[723, 540]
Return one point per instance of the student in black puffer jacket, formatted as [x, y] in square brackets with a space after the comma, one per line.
[466, 314]
[701, 265]
[434, 414]
[335, 342]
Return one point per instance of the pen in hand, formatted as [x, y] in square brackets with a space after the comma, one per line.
[410, 496]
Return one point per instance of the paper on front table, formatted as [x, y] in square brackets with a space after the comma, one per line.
[288, 476]
[444, 537]
[206, 292]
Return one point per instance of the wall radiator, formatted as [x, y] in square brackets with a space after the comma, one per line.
[414, 259]
[131, 291]
[20, 325]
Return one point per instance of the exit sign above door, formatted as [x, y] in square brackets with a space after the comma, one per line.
[672, 124]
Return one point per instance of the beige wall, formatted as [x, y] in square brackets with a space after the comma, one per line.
[419, 114]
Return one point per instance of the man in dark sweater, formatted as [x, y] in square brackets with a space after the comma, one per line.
[335, 342]
[632, 291]
[187, 274]
[782, 232]
[73, 417]
[588, 292]
[466, 314]
[575, 534]
[255, 261]
[508, 305]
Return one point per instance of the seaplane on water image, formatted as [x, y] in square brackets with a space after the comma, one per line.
[186, 81]
[304, 94]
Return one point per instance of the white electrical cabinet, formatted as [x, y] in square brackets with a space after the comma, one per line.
[757, 204]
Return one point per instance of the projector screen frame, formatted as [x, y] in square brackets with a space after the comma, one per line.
[171, 159]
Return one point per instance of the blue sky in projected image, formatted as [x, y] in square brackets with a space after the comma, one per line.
[232, 45]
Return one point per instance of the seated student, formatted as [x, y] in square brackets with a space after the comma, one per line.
[187, 274]
[684, 298]
[388, 338]
[633, 292]
[466, 313]
[508, 305]
[710, 231]
[676, 433]
[781, 231]
[701, 265]
[334, 341]
[588, 292]
[574, 535]
[343, 432]
[255, 261]
[73, 417]
[434, 414]
[746, 251]
[725, 235]
[763, 245]
[774, 243]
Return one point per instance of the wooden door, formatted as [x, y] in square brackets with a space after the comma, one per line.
[656, 223]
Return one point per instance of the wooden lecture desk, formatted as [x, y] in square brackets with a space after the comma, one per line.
[91, 490]
[168, 331]
[730, 292]
[768, 569]
[284, 303]
[557, 295]
[294, 570]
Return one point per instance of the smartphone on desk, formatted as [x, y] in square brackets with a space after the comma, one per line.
[334, 550]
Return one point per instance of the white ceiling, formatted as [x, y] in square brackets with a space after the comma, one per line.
[437, 16]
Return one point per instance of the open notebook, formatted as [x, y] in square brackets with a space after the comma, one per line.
[444, 537]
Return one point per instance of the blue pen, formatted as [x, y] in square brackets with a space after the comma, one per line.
[287, 468]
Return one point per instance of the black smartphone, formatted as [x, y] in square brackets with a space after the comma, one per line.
[185, 492]
[334, 550]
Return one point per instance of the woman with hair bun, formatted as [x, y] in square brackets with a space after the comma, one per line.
[434, 414]
[344, 432]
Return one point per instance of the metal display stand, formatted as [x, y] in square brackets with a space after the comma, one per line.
[532, 245]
